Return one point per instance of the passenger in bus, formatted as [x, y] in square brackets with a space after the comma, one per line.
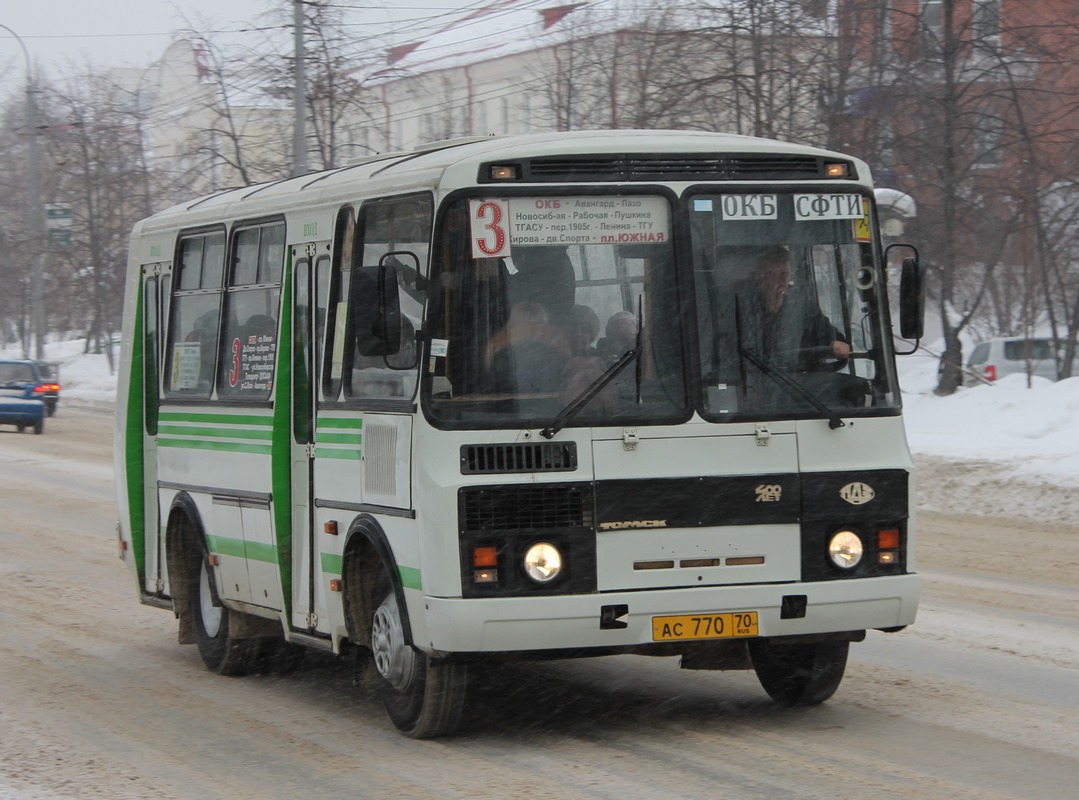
[582, 328]
[620, 335]
[529, 354]
[543, 275]
[587, 363]
[780, 324]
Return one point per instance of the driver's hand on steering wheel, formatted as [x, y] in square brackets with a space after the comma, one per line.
[841, 350]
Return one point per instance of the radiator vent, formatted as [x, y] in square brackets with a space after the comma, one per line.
[380, 460]
[521, 507]
[689, 167]
[507, 458]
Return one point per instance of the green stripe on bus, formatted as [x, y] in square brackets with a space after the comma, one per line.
[206, 418]
[410, 577]
[224, 546]
[340, 422]
[257, 551]
[331, 564]
[238, 548]
[341, 455]
[235, 433]
[134, 462]
[340, 438]
[203, 444]
[334, 565]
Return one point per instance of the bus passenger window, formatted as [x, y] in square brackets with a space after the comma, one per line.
[249, 343]
[193, 324]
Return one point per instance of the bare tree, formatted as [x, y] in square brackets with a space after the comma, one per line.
[95, 152]
[952, 97]
[337, 64]
[15, 225]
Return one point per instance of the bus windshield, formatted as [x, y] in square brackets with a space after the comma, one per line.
[791, 306]
[539, 296]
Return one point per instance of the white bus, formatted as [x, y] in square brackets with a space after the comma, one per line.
[552, 395]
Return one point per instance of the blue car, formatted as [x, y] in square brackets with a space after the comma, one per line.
[19, 404]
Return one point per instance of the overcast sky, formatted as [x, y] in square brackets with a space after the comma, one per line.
[64, 35]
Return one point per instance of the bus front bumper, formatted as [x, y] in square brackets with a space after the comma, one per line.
[624, 619]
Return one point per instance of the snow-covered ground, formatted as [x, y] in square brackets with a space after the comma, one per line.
[1002, 449]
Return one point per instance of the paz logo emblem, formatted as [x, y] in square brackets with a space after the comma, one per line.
[857, 493]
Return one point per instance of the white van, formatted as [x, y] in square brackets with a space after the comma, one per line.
[995, 358]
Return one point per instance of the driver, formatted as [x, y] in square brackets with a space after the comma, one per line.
[781, 325]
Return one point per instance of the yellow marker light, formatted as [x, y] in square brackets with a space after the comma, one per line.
[506, 172]
[485, 576]
[336, 584]
[836, 170]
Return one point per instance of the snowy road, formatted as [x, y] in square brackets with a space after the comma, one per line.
[979, 699]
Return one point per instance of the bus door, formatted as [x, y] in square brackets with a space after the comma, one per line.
[311, 276]
[156, 285]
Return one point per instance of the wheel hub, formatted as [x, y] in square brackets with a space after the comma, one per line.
[394, 659]
[211, 614]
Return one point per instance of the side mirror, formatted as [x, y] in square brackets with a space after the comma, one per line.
[912, 299]
[375, 305]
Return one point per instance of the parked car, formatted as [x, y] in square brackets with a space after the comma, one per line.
[48, 387]
[992, 359]
[29, 380]
[17, 405]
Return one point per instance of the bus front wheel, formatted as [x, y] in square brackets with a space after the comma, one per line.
[423, 698]
[220, 652]
[800, 673]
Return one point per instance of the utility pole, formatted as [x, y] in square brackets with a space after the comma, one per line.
[37, 212]
[299, 109]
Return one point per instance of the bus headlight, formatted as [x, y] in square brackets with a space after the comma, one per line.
[543, 562]
[845, 549]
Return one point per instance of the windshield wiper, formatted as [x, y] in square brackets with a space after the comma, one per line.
[566, 415]
[584, 398]
[791, 385]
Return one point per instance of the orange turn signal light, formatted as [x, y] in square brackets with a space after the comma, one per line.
[486, 556]
[888, 539]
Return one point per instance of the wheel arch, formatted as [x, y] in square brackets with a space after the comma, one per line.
[184, 532]
[366, 550]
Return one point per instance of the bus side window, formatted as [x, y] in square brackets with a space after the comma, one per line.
[335, 305]
[151, 306]
[252, 298]
[394, 233]
[196, 309]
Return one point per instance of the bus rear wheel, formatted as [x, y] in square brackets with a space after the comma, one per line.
[220, 652]
[423, 698]
[800, 673]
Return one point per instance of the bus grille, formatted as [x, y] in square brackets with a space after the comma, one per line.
[692, 167]
[519, 507]
[507, 458]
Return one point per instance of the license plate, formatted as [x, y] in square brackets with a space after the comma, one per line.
[734, 624]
